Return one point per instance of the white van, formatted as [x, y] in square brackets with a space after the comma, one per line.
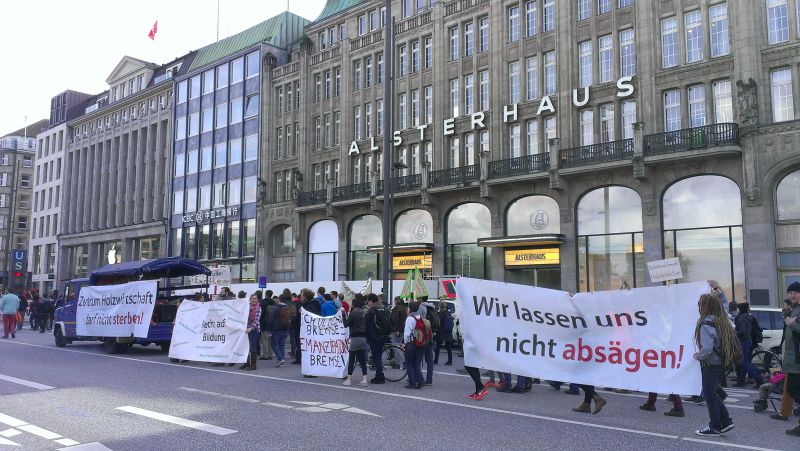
[771, 321]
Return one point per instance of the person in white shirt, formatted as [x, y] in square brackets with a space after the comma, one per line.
[414, 353]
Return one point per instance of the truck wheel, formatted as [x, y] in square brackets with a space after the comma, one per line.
[59, 337]
[164, 346]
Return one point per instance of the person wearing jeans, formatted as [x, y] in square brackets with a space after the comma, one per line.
[414, 354]
[278, 324]
[744, 329]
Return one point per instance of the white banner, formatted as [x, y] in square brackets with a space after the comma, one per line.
[667, 269]
[211, 331]
[640, 339]
[116, 310]
[325, 344]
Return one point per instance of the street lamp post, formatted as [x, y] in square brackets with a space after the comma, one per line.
[388, 88]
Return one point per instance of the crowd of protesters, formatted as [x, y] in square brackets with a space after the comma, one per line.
[38, 308]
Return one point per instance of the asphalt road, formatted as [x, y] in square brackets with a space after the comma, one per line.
[53, 398]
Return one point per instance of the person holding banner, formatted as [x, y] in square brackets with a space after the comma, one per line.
[357, 323]
[253, 333]
[718, 347]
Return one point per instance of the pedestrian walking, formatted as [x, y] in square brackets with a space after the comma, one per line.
[718, 349]
[253, 333]
[417, 336]
[480, 389]
[9, 304]
[356, 322]
[379, 326]
[399, 314]
[791, 347]
[278, 324]
[445, 335]
[677, 405]
[23, 307]
[265, 345]
[589, 395]
[744, 326]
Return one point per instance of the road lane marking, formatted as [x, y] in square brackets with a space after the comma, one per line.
[380, 393]
[67, 442]
[43, 433]
[94, 446]
[176, 420]
[5, 441]
[275, 404]
[11, 421]
[221, 395]
[15, 380]
[731, 445]
[10, 433]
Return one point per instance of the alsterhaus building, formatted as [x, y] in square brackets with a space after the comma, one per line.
[562, 144]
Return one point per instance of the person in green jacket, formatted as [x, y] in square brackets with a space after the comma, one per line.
[791, 347]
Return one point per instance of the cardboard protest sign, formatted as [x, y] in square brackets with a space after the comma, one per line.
[325, 343]
[640, 339]
[116, 310]
[211, 331]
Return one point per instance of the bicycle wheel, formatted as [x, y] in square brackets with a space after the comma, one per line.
[766, 362]
[394, 363]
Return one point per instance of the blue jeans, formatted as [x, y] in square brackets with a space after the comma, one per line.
[376, 348]
[254, 337]
[429, 363]
[717, 412]
[747, 365]
[414, 364]
[279, 344]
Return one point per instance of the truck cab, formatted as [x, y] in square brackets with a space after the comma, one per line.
[160, 332]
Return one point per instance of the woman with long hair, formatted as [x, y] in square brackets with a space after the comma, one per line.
[253, 333]
[717, 349]
[357, 323]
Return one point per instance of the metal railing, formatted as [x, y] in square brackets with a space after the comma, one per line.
[349, 192]
[596, 153]
[519, 165]
[403, 183]
[457, 6]
[691, 138]
[311, 197]
[452, 176]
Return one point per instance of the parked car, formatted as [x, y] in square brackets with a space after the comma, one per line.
[771, 321]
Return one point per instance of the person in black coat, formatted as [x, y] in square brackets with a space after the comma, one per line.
[311, 305]
[445, 334]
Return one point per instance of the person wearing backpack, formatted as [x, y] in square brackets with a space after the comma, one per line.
[357, 323]
[379, 326]
[718, 349]
[445, 335]
[428, 312]
[417, 336]
[749, 334]
[278, 324]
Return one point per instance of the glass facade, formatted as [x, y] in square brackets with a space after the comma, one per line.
[465, 224]
[364, 231]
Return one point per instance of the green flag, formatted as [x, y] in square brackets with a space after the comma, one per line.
[420, 289]
[407, 287]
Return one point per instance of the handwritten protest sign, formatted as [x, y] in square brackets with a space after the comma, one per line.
[116, 310]
[211, 331]
[325, 343]
[667, 269]
[640, 339]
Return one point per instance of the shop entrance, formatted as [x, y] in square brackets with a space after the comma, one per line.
[544, 277]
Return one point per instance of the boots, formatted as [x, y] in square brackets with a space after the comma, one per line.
[253, 360]
[598, 404]
[585, 407]
[246, 365]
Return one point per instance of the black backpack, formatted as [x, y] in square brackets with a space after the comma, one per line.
[756, 334]
[383, 323]
[738, 357]
[433, 316]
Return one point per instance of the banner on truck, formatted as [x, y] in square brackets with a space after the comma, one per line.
[116, 310]
[640, 339]
[211, 331]
[325, 344]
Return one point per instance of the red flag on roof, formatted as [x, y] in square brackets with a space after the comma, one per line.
[153, 31]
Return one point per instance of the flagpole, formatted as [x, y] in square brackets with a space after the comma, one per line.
[217, 20]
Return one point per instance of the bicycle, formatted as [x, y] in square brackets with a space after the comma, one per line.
[393, 359]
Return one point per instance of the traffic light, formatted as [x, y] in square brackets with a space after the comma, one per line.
[18, 278]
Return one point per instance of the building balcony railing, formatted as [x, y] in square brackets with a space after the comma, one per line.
[453, 176]
[457, 6]
[414, 22]
[691, 138]
[519, 165]
[326, 55]
[350, 192]
[368, 39]
[403, 184]
[286, 69]
[596, 153]
[311, 197]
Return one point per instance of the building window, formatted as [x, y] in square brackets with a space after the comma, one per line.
[469, 95]
[532, 135]
[414, 57]
[672, 110]
[484, 88]
[25, 181]
[250, 147]
[513, 24]
[549, 12]
[252, 65]
[550, 73]
[357, 122]
[221, 153]
[697, 106]
[587, 127]
[513, 141]
[194, 87]
[428, 104]
[403, 112]
[606, 54]
[530, 18]
[669, 42]
[250, 191]
[585, 63]
[465, 224]
[234, 191]
[177, 202]
[414, 111]
[584, 9]
[453, 43]
[337, 127]
[455, 152]
[723, 102]
[317, 132]
[513, 82]
[469, 40]
[206, 159]
[777, 21]
[694, 36]
[454, 97]
[403, 63]
[787, 204]
[628, 118]
[624, 3]
[483, 31]
[607, 123]
[603, 6]
[782, 98]
[356, 75]
[337, 85]
[627, 53]
[428, 52]
[222, 116]
[549, 129]
[718, 15]
[364, 231]
[236, 110]
[379, 118]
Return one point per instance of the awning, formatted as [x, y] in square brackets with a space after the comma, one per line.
[545, 239]
[405, 248]
[148, 269]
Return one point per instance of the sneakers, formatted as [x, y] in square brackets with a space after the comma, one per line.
[347, 383]
[707, 432]
[490, 384]
[363, 383]
[699, 400]
[280, 364]
[648, 407]
[675, 413]
[777, 416]
[795, 431]
[727, 428]
[479, 396]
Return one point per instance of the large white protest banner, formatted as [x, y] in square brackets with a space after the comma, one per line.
[325, 343]
[116, 310]
[640, 339]
[211, 331]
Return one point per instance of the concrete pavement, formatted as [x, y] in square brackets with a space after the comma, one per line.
[141, 401]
